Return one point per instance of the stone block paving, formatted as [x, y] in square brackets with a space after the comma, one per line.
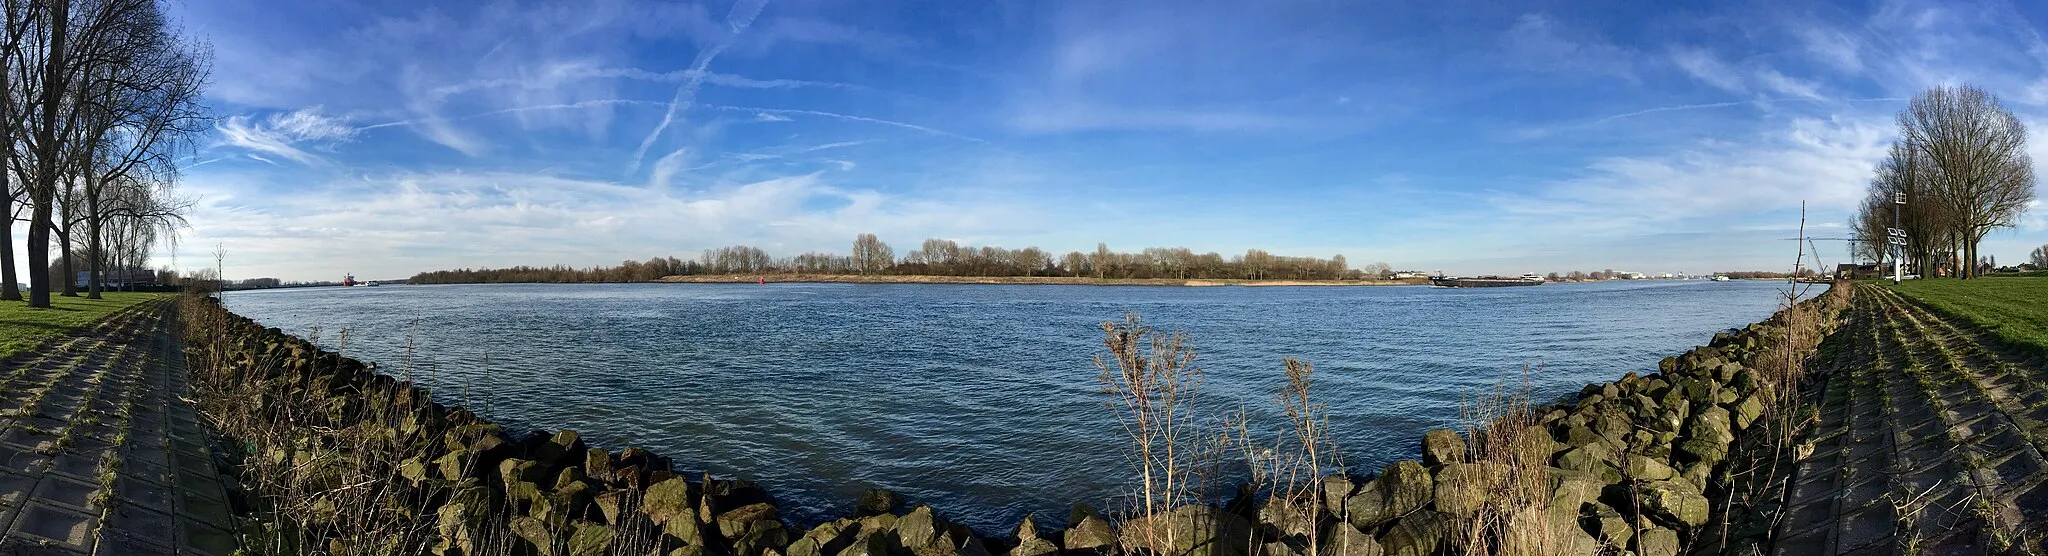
[1929, 440]
[99, 452]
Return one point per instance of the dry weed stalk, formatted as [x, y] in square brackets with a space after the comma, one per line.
[1780, 371]
[1155, 382]
[1506, 434]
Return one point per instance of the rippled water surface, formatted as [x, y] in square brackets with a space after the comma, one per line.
[980, 400]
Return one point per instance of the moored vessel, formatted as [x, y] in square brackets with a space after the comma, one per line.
[1486, 281]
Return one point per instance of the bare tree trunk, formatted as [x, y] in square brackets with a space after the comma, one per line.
[7, 277]
[70, 279]
[93, 218]
[46, 160]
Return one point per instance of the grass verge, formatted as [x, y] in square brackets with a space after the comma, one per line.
[2013, 309]
[22, 328]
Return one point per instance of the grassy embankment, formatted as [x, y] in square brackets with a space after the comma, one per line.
[2013, 309]
[22, 328]
[1019, 280]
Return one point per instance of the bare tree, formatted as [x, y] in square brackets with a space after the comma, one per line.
[2039, 257]
[138, 104]
[870, 255]
[1979, 170]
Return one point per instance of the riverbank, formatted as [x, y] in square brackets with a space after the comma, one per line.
[1017, 280]
[1640, 460]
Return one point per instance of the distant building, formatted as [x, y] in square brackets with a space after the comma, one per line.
[116, 279]
[1852, 271]
[1406, 274]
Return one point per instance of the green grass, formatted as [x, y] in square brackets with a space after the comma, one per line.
[22, 328]
[2013, 309]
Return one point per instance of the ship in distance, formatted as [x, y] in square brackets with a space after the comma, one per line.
[1486, 281]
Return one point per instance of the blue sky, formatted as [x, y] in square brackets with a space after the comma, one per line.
[387, 138]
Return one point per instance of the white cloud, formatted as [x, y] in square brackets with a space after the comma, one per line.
[395, 226]
[1773, 81]
[1824, 162]
[281, 134]
[1537, 43]
[1075, 116]
[1754, 76]
[1833, 47]
[1702, 65]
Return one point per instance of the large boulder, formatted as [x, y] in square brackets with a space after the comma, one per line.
[1645, 468]
[1341, 539]
[1028, 541]
[1441, 446]
[1336, 488]
[1401, 488]
[1675, 502]
[1192, 530]
[513, 471]
[1422, 533]
[1089, 531]
[1283, 518]
[589, 539]
[919, 528]
[1462, 489]
[1702, 450]
[877, 501]
[1585, 461]
[827, 539]
[761, 533]
[598, 464]
[1657, 541]
[672, 505]
[557, 448]
[535, 532]
[1746, 411]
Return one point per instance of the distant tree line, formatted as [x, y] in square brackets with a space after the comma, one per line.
[1961, 168]
[941, 257]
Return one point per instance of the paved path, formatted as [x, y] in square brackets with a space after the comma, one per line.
[1929, 442]
[99, 454]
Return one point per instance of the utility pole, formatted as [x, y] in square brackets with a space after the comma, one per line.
[1897, 237]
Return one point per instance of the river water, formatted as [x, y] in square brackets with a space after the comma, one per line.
[980, 400]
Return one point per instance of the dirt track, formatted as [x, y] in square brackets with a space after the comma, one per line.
[99, 454]
[1929, 440]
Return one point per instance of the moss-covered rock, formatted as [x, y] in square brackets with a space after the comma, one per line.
[1197, 529]
[1422, 533]
[670, 499]
[1441, 446]
[589, 539]
[536, 534]
[1341, 539]
[877, 501]
[1644, 468]
[1462, 489]
[1657, 541]
[1336, 488]
[1088, 531]
[1675, 502]
[1028, 541]
[1401, 488]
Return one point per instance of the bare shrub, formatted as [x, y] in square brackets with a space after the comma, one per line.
[1155, 384]
[1518, 518]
